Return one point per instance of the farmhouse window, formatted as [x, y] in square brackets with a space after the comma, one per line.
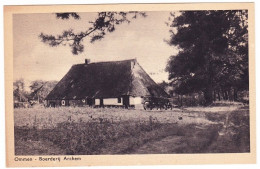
[119, 100]
[63, 102]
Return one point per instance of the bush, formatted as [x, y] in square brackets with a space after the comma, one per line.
[215, 117]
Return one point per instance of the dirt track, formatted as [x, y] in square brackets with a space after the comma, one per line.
[166, 145]
[227, 132]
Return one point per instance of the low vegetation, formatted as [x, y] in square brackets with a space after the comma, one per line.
[82, 130]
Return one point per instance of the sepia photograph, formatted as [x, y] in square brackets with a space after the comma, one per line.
[130, 82]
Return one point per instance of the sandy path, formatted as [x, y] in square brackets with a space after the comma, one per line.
[170, 144]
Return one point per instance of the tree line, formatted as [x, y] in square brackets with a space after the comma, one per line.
[37, 90]
[213, 53]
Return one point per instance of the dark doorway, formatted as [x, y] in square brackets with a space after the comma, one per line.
[101, 102]
[52, 104]
[126, 101]
[90, 101]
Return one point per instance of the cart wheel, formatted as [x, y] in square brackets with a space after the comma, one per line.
[146, 105]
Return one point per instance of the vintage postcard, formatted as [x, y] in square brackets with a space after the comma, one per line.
[130, 84]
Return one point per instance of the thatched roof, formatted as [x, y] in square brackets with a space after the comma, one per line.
[106, 80]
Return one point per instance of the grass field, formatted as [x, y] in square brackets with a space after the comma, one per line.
[83, 130]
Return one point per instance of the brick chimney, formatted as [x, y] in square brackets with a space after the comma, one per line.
[87, 61]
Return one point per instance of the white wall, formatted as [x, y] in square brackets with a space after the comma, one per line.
[135, 100]
[97, 102]
[112, 101]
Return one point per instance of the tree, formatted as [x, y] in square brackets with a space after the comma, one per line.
[40, 89]
[36, 89]
[104, 23]
[213, 52]
[163, 85]
[18, 91]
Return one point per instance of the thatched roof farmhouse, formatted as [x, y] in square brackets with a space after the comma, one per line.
[120, 83]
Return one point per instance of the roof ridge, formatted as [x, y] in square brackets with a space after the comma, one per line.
[106, 62]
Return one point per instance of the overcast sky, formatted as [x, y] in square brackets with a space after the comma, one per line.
[142, 39]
